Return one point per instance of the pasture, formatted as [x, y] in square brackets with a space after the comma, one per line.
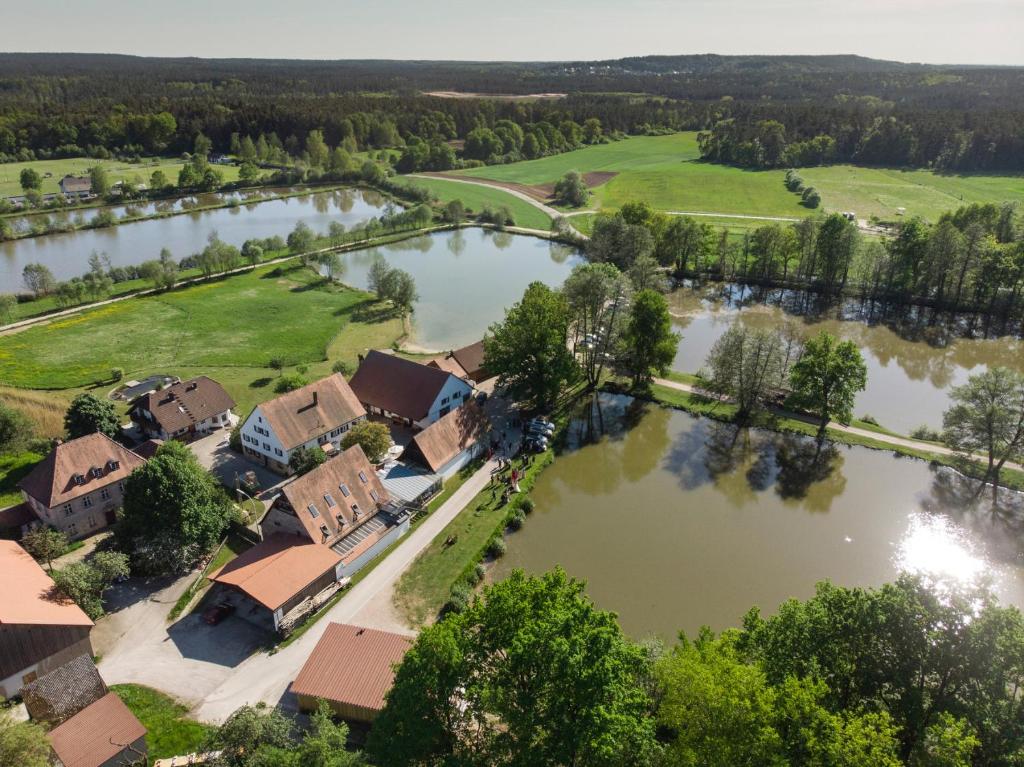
[475, 198]
[117, 170]
[667, 173]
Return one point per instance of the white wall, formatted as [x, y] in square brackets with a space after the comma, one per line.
[453, 386]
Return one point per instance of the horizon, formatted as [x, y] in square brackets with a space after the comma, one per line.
[933, 32]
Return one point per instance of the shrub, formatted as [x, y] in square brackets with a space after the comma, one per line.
[926, 433]
[517, 520]
[527, 506]
[496, 548]
[810, 197]
[289, 383]
[342, 367]
[479, 572]
[869, 419]
[458, 599]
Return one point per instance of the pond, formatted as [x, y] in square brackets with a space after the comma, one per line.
[677, 522]
[908, 378]
[67, 254]
[465, 279]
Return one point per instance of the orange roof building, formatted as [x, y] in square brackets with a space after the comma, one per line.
[447, 445]
[352, 668]
[183, 410]
[467, 362]
[103, 734]
[40, 628]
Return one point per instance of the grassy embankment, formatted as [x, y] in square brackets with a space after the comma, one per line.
[229, 328]
[117, 170]
[667, 173]
[475, 198]
[169, 731]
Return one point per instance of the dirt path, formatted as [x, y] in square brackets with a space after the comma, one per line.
[888, 439]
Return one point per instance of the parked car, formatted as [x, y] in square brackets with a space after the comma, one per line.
[535, 444]
[544, 423]
[218, 613]
[534, 428]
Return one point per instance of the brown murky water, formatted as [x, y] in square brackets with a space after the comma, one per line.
[908, 380]
[677, 522]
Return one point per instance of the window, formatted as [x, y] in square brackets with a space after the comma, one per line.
[96, 471]
[312, 511]
[457, 395]
[105, 494]
[278, 451]
[444, 401]
[120, 486]
[373, 494]
[344, 490]
[355, 511]
[68, 511]
[113, 465]
[92, 521]
[86, 502]
[78, 479]
[341, 521]
[330, 500]
[266, 446]
[363, 477]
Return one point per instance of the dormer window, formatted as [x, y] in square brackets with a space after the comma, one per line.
[96, 471]
[325, 532]
[363, 477]
[373, 494]
[312, 511]
[341, 521]
[355, 511]
[344, 490]
[330, 500]
[78, 479]
[113, 465]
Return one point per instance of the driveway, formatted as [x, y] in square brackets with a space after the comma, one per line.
[228, 466]
[186, 659]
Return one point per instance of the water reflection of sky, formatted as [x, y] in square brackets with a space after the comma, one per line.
[942, 554]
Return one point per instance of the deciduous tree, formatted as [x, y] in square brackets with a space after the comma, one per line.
[747, 366]
[89, 414]
[827, 377]
[303, 460]
[374, 438]
[649, 345]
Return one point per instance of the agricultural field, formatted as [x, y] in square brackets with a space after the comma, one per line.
[475, 198]
[118, 170]
[666, 172]
[228, 329]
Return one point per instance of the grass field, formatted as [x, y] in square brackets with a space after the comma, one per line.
[476, 197]
[228, 328]
[169, 730]
[666, 171]
[117, 170]
[13, 468]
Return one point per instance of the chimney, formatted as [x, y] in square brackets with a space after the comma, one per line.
[192, 386]
[316, 399]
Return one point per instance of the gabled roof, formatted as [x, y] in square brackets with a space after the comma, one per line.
[331, 489]
[352, 665]
[96, 734]
[274, 571]
[29, 596]
[448, 436]
[471, 358]
[306, 413]
[65, 691]
[449, 364]
[76, 184]
[184, 404]
[52, 480]
[397, 385]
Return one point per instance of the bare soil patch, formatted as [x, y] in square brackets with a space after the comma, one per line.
[599, 177]
[496, 96]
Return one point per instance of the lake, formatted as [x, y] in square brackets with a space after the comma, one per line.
[465, 278]
[676, 521]
[67, 254]
[908, 378]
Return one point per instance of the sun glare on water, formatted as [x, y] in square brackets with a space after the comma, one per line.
[938, 551]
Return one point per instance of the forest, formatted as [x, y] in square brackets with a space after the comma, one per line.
[755, 111]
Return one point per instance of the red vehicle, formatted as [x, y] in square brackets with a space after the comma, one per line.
[217, 613]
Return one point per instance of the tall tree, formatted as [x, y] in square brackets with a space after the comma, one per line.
[30, 179]
[649, 345]
[374, 438]
[38, 279]
[827, 377]
[89, 414]
[16, 429]
[100, 180]
[45, 544]
[528, 350]
[529, 674]
[747, 366]
[597, 296]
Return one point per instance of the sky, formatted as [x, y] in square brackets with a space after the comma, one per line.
[930, 31]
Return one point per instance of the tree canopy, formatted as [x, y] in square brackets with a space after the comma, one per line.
[374, 438]
[649, 345]
[89, 414]
[827, 377]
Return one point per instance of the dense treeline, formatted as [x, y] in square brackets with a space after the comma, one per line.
[874, 111]
[971, 260]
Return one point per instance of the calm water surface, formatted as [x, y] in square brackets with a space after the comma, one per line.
[676, 522]
[465, 279]
[67, 255]
[908, 380]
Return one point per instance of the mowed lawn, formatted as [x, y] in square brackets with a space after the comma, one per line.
[475, 198]
[236, 323]
[667, 173]
[117, 170]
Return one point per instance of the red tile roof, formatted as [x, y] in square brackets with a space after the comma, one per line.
[96, 734]
[315, 409]
[350, 469]
[352, 665]
[52, 480]
[397, 385]
[184, 404]
[29, 597]
[274, 571]
[448, 436]
[471, 358]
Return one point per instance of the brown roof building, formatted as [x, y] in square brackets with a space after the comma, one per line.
[59, 695]
[40, 629]
[467, 362]
[75, 185]
[352, 668]
[450, 443]
[104, 734]
[318, 414]
[183, 410]
[79, 486]
[407, 391]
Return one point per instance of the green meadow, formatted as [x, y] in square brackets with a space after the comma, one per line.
[666, 172]
[475, 198]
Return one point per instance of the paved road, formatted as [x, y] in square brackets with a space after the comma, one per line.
[266, 677]
[889, 439]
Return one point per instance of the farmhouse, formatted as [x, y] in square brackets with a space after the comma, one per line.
[183, 410]
[450, 443]
[59, 695]
[467, 362]
[75, 186]
[352, 668]
[317, 415]
[407, 392]
[103, 734]
[79, 486]
[40, 630]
